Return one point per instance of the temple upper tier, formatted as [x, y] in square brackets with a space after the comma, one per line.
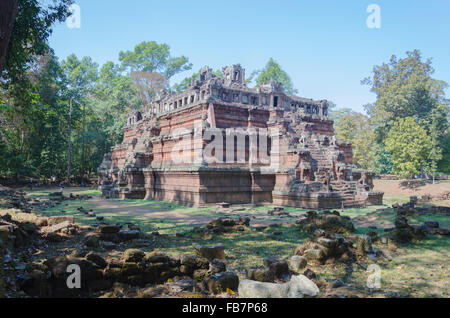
[231, 89]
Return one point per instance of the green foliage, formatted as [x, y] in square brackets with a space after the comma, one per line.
[273, 72]
[409, 145]
[444, 163]
[154, 57]
[80, 75]
[383, 161]
[32, 121]
[435, 154]
[32, 27]
[354, 127]
[405, 88]
[34, 110]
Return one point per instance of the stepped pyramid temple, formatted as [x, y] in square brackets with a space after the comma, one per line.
[221, 141]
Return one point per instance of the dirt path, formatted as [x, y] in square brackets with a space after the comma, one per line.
[152, 211]
[395, 187]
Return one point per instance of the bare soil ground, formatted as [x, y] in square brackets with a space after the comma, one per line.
[419, 188]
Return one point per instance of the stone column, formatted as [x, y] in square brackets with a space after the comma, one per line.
[149, 184]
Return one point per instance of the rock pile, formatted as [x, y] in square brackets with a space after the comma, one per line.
[111, 234]
[135, 268]
[403, 232]
[11, 199]
[278, 211]
[210, 252]
[224, 225]
[221, 282]
[325, 247]
[328, 221]
[273, 269]
[433, 227]
[15, 234]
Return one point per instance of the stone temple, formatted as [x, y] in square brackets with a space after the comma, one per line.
[221, 141]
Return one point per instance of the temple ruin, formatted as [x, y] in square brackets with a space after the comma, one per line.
[221, 141]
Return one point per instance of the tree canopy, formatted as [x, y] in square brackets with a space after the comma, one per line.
[30, 31]
[35, 117]
[273, 72]
[154, 58]
[355, 127]
[405, 88]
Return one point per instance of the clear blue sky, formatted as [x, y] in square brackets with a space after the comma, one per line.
[325, 46]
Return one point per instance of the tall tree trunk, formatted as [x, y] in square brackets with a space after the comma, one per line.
[89, 160]
[8, 13]
[83, 145]
[69, 142]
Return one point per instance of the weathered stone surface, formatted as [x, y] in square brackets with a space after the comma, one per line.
[59, 226]
[363, 244]
[326, 247]
[133, 255]
[327, 221]
[129, 235]
[191, 263]
[157, 257]
[261, 275]
[403, 232]
[280, 268]
[53, 220]
[432, 224]
[298, 287]
[92, 240]
[54, 237]
[217, 266]
[219, 283]
[96, 259]
[298, 262]
[109, 229]
[210, 252]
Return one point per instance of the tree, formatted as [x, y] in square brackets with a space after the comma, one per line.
[81, 77]
[8, 13]
[409, 146]
[354, 127]
[435, 154]
[29, 33]
[33, 131]
[114, 96]
[148, 85]
[405, 88]
[444, 163]
[382, 158]
[153, 58]
[273, 72]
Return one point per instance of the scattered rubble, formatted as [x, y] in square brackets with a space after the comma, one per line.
[224, 225]
[328, 221]
[210, 252]
[403, 232]
[278, 211]
[221, 282]
[273, 269]
[325, 247]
